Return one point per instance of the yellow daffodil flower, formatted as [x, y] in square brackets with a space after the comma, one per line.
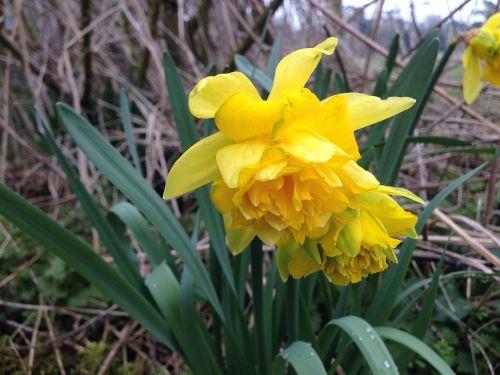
[358, 244]
[483, 44]
[283, 169]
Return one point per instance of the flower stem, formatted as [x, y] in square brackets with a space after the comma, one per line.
[293, 310]
[258, 307]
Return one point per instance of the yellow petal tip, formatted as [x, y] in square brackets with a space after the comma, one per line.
[328, 45]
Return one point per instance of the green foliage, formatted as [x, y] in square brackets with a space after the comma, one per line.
[266, 334]
[91, 357]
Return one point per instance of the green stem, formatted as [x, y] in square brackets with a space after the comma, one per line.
[258, 307]
[293, 310]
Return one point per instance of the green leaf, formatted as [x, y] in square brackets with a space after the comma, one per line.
[274, 57]
[369, 343]
[426, 139]
[133, 219]
[390, 61]
[419, 347]
[419, 108]
[119, 171]
[385, 298]
[302, 357]
[420, 324]
[184, 321]
[447, 150]
[449, 276]
[262, 337]
[188, 136]
[121, 254]
[253, 72]
[340, 85]
[381, 85]
[197, 342]
[393, 151]
[129, 130]
[400, 87]
[84, 260]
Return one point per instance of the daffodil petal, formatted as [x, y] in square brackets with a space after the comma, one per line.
[472, 75]
[364, 110]
[399, 192]
[294, 70]
[301, 265]
[283, 255]
[196, 167]
[395, 220]
[234, 158]
[222, 196]
[356, 178]
[336, 125]
[242, 117]
[309, 147]
[349, 239]
[237, 238]
[493, 22]
[211, 92]
[492, 73]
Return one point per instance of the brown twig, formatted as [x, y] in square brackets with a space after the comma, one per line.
[378, 48]
[257, 27]
[473, 243]
[490, 193]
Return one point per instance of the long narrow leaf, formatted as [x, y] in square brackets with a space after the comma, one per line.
[84, 260]
[134, 187]
[418, 110]
[131, 216]
[385, 298]
[188, 136]
[393, 152]
[419, 326]
[108, 235]
[253, 72]
[129, 130]
[369, 343]
[166, 291]
[303, 359]
[274, 57]
[416, 345]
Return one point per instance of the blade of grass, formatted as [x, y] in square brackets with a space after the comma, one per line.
[386, 296]
[84, 260]
[167, 293]
[188, 136]
[381, 84]
[369, 343]
[121, 254]
[402, 126]
[420, 324]
[302, 357]
[447, 150]
[376, 132]
[263, 348]
[253, 72]
[339, 84]
[418, 112]
[452, 275]
[419, 347]
[129, 130]
[132, 218]
[197, 340]
[438, 140]
[126, 178]
[274, 57]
